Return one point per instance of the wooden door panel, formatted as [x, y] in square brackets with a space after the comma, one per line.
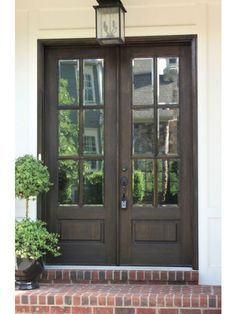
[87, 230]
[157, 231]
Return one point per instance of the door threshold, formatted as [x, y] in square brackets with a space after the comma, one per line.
[84, 267]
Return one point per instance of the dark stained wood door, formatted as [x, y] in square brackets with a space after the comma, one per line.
[81, 152]
[156, 155]
[118, 128]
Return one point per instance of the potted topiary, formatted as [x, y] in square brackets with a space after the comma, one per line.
[32, 239]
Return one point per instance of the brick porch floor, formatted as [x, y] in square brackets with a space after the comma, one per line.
[120, 299]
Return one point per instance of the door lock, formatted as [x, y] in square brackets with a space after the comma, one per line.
[124, 202]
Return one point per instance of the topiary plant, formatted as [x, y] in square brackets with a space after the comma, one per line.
[31, 179]
[33, 241]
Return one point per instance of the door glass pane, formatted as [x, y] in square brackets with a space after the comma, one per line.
[93, 182]
[68, 90]
[168, 181]
[68, 132]
[143, 183]
[93, 81]
[167, 124]
[68, 182]
[93, 136]
[168, 80]
[143, 81]
[143, 131]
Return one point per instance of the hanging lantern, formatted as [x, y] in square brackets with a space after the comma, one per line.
[110, 22]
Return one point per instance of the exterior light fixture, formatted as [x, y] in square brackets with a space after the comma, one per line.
[110, 22]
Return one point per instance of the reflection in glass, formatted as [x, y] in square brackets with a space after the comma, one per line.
[93, 136]
[168, 80]
[143, 81]
[93, 81]
[168, 181]
[68, 182]
[68, 132]
[167, 130]
[143, 131]
[93, 182]
[143, 182]
[68, 93]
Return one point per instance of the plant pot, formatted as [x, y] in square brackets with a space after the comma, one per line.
[27, 273]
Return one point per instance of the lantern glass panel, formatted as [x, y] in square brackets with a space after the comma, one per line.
[122, 24]
[108, 23]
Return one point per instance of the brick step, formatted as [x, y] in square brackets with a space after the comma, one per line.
[120, 299]
[130, 276]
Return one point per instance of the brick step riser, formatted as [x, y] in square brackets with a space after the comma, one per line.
[119, 276]
[111, 310]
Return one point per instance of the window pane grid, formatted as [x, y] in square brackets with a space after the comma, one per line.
[163, 152]
[80, 132]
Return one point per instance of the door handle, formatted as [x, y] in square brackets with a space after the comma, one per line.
[124, 202]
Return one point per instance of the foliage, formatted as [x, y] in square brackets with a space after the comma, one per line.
[139, 186]
[31, 177]
[64, 95]
[32, 240]
[68, 177]
[93, 182]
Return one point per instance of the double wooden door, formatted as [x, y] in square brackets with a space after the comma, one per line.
[118, 141]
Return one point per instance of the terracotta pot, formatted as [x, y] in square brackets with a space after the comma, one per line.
[27, 273]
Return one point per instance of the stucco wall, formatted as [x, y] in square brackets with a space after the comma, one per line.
[75, 19]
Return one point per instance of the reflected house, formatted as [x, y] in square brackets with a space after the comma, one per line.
[167, 122]
[92, 95]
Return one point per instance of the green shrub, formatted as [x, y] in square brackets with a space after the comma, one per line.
[93, 191]
[31, 178]
[138, 186]
[32, 240]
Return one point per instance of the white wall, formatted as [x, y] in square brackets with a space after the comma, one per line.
[75, 19]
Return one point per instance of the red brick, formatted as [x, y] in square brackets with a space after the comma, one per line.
[42, 299]
[66, 276]
[110, 300]
[33, 299]
[81, 310]
[164, 275]
[190, 311]
[146, 311]
[140, 275]
[168, 311]
[23, 309]
[109, 275]
[60, 309]
[186, 301]
[148, 275]
[195, 276]
[101, 300]
[40, 309]
[203, 301]
[117, 275]
[169, 300]
[135, 300]
[195, 301]
[76, 300]
[152, 301]
[156, 275]
[178, 300]
[211, 312]
[95, 275]
[103, 310]
[58, 299]
[132, 275]
[161, 300]
[124, 311]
